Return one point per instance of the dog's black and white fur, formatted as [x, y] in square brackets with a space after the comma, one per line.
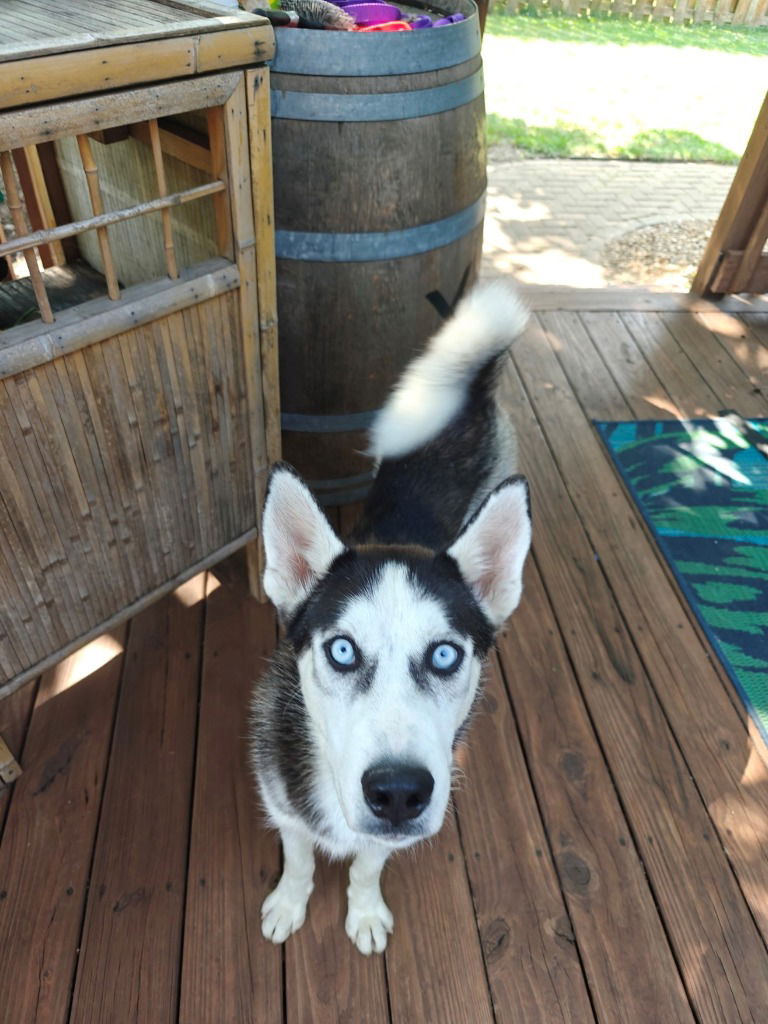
[355, 723]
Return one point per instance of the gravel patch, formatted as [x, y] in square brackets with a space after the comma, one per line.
[665, 255]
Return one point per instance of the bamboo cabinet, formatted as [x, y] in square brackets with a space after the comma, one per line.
[138, 362]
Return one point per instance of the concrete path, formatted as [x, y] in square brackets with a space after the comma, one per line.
[548, 221]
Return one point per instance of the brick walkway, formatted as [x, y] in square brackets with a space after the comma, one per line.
[548, 221]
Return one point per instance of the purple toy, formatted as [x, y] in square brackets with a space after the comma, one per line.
[372, 13]
[450, 20]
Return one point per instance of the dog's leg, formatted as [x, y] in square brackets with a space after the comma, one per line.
[368, 917]
[284, 910]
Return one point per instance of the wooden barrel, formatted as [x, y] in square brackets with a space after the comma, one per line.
[379, 161]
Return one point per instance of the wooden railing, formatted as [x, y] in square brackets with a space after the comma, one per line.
[29, 241]
[734, 260]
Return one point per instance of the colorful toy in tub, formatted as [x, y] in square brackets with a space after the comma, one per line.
[349, 15]
[376, 15]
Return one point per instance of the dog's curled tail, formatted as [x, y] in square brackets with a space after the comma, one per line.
[434, 387]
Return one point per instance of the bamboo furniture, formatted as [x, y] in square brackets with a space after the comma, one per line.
[734, 260]
[136, 426]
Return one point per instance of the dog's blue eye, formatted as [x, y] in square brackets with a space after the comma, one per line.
[342, 652]
[446, 657]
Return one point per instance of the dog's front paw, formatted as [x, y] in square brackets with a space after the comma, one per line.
[283, 912]
[368, 926]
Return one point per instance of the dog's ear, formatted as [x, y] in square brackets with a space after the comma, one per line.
[298, 541]
[491, 549]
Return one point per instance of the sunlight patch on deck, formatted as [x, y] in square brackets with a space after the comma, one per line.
[78, 666]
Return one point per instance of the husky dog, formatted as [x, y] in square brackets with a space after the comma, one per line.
[355, 724]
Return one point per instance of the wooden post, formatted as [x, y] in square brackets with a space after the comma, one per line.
[57, 197]
[39, 212]
[257, 87]
[219, 170]
[235, 122]
[162, 190]
[260, 134]
[97, 204]
[742, 214]
[19, 222]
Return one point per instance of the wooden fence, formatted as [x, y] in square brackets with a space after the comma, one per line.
[718, 12]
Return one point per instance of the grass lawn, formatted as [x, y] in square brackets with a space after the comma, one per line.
[600, 87]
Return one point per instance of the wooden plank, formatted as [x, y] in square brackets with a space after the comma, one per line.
[162, 190]
[326, 979]
[610, 903]
[15, 712]
[38, 208]
[713, 741]
[531, 955]
[246, 46]
[132, 932]
[434, 959]
[257, 87]
[60, 211]
[734, 389]
[745, 351]
[175, 141]
[94, 33]
[545, 298]
[753, 251]
[688, 392]
[59, 120]
[258, 99]
[621, 364]
[244, 241]
[229, 972]
[724, 277]
[16, 210]
[219, 169]
[46, 849]
[47, 78]
[758, 325]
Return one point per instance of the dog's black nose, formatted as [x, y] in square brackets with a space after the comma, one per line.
[398, 792]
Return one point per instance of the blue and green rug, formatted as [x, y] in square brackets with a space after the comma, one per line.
[702, 487]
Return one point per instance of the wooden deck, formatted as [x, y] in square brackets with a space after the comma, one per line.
[608, 858]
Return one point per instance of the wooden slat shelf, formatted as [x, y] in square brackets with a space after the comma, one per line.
[125, 153]
[607, 859]
[33, 28]
[49, 51]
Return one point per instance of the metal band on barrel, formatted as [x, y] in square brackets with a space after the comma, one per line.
[382, 106]
[381, 53]
[366, 246]
[326, 424]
